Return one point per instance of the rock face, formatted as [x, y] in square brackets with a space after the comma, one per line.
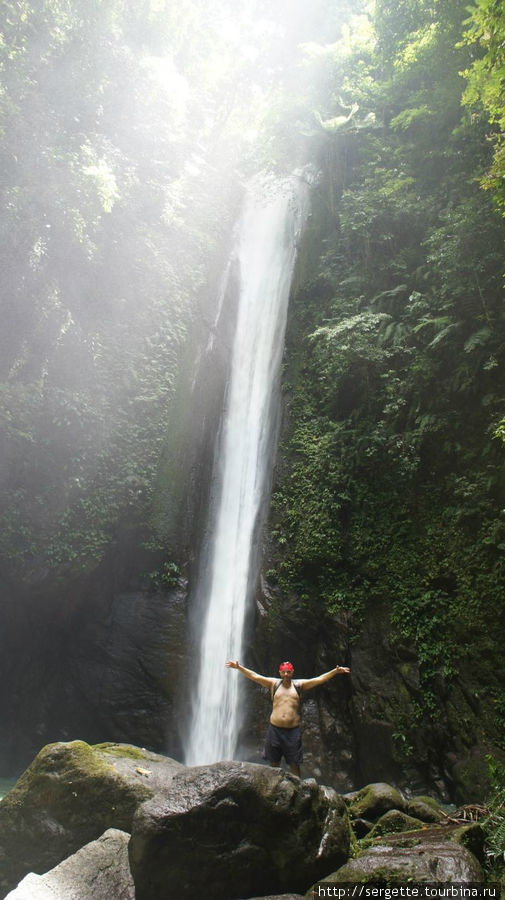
[355, 731]
[236, 830]
[99, 870]
[106, 667]
[68, 797]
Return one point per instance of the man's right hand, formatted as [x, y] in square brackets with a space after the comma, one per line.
[232, 664]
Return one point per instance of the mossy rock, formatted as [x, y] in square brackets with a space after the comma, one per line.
[472, 837]
[426, 809]
[374, 800]
[69, 795]
[429, 801]
[441, 861]
[393, 822]
[123, 751]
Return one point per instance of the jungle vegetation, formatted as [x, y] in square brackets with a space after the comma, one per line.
[390, 483]
[126, 133]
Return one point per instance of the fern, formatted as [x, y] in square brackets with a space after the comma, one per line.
[496, 826]
[442, 335]
[477, 339]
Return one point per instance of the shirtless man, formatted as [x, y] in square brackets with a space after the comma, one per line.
[283, 734]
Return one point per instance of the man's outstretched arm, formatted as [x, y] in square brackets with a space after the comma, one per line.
[307, 684]
[253, 676]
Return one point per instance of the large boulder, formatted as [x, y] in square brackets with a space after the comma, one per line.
[99, 870]
[436, 861]
[236, 830]
[69, 796]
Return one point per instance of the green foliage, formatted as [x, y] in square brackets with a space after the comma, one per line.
[120, 129]
[168, 576]
[494, 824]
[485, 91]
[390, 488]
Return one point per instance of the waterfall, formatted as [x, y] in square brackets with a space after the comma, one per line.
[265, 251]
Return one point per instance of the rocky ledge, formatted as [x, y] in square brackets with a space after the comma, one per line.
[114, 822]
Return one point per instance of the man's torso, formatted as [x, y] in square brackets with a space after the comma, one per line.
[286, 707]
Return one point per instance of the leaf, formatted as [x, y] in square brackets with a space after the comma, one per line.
[442, 335]
[440, 322]
[336, 123]
[477, 339]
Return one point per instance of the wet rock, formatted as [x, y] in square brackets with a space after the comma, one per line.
[253, 829]
[99, 870]
[107, 666]
[442, 861]
[68, 797]
[393, 822]
[426, 809]
[374, 800]
[472, 837]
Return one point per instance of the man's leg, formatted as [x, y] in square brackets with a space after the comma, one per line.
[293, 751]
[272, 751]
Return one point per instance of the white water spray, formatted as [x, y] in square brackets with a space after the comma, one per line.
[266, 248]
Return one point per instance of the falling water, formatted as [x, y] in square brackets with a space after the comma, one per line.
[265, 251]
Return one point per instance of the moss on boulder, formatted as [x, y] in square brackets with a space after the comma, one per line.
[70, 795]
[441, 861]
[392, 822]
[374, 800]
[426, 809]
[472, 837]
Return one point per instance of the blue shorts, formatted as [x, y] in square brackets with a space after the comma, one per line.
[283, 742]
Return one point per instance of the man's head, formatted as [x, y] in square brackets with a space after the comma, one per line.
[286, 669]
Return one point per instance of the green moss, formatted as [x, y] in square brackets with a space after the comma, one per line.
[120, 750]
[74, 785]
[472, 837]
[375, 799]
[393, 822]
[428, 801]
[58, 765]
